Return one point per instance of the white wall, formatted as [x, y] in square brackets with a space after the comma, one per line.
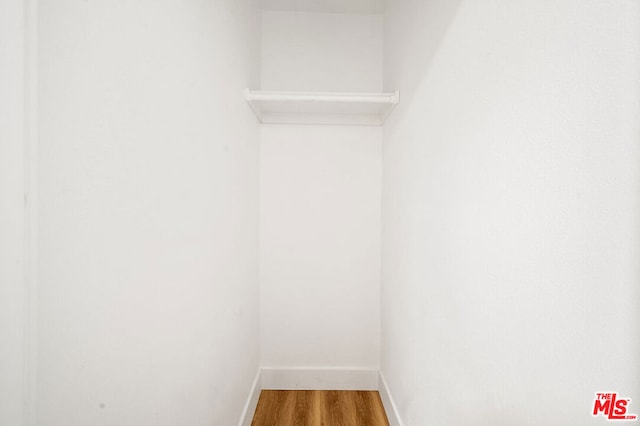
[12, 214]
[320, 199]
[511, 198]
[325, 6]
[321, 52]
[148, 220]
[320, 246]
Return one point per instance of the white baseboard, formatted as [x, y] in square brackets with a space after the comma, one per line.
[330, 378]
[252, 401]
[387, 401]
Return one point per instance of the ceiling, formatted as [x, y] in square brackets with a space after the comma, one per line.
[327, 6]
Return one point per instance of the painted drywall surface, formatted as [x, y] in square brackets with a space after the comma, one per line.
[320, 199]
[325, 6]
[12, 185]
[319, 246]
[511, 230]
[148, 308]
[321, 52]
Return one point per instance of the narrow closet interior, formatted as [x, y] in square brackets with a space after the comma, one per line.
[433, 199]
[321, 104]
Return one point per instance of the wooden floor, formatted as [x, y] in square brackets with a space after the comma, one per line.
[319, 408]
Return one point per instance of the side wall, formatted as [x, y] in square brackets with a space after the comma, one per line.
[148, 248]
[12, 211]
[511, 210]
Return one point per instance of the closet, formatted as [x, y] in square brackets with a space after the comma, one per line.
[202, 199]
[321, 105]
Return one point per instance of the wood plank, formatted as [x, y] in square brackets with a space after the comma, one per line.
[319, 408]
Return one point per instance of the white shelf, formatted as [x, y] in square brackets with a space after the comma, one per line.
[321, 107]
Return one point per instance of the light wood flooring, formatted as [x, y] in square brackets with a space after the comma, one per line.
[319, 408]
